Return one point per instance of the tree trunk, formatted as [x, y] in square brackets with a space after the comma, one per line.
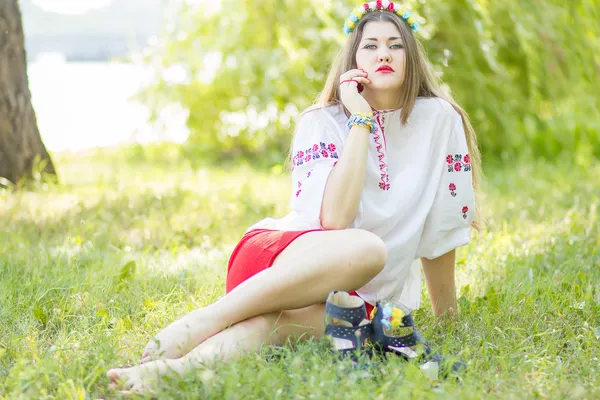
[20, 142]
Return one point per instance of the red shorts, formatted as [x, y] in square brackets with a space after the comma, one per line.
[257, 251]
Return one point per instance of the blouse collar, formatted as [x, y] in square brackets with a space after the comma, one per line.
[386, 111]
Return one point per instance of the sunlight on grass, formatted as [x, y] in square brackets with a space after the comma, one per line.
[92, 268]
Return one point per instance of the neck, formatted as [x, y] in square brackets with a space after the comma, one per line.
[382, 100]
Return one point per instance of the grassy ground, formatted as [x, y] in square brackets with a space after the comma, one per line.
[89, 270]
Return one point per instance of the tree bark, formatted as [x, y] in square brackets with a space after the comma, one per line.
[20, 142]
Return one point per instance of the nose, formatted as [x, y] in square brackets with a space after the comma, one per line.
[384, 55]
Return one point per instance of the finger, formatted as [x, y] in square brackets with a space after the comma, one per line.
[362, 80]
[352, 73]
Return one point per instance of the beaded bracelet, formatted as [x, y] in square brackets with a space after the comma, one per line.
[360, 119]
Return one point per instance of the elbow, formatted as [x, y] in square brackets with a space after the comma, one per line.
[329, 222]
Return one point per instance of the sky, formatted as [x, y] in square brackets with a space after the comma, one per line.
[71, 6]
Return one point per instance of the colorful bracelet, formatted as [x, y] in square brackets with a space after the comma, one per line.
[360, 119]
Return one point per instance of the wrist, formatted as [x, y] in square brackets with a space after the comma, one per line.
[363, 120]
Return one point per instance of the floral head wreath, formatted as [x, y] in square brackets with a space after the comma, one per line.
[383, 5]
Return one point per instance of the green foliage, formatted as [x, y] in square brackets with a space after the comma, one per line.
[526, 71]
[90, 269]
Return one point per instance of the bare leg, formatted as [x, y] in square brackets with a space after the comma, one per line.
[439, 276]
[246, 336]
[302, 275]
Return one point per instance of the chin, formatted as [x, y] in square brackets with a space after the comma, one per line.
[394, 86]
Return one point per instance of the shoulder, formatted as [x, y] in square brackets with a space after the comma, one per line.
[322, 121]
[333, 112]
[435, 109]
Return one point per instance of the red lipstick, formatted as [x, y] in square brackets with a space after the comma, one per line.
[385, 68]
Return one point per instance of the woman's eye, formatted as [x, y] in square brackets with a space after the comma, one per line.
[394, 46]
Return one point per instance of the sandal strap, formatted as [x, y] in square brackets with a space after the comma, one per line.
[412, 339]
[401, 341]
[354, 315]
[349, 332]
[408, 321]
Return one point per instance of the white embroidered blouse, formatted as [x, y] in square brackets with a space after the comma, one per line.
[418, 194]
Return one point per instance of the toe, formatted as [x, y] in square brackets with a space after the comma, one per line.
[147, 359]
[114, 375]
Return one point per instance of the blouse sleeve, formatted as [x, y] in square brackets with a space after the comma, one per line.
[448, 224]
[316, 148]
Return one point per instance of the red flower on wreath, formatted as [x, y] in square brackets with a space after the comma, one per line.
[391, 7]
[378, 5]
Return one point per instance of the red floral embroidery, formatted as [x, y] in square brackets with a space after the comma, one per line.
[452, 188]
[465, 209]
[384, 182]
[298, 192]
[458, 163]
[314, 152]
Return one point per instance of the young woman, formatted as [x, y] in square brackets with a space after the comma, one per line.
[383, 175]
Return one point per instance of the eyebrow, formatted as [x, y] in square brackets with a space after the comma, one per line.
[391, 38]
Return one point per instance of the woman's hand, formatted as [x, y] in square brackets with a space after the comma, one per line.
[349, 91]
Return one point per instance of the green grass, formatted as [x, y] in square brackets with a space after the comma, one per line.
[90, 269]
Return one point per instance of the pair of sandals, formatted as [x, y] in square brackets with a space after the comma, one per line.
[390, 330]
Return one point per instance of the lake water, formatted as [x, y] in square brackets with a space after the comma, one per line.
[86, 105]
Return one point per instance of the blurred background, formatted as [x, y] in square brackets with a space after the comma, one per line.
[227, 78]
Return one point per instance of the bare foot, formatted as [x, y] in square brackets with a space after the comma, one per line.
[180, 337]
[143, 378]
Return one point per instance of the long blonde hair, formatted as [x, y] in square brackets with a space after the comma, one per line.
[419, 81]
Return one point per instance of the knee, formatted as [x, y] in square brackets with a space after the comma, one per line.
[371, 250]
[264, 325]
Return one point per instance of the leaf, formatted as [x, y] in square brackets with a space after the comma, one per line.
[40, 315]
[127, 273]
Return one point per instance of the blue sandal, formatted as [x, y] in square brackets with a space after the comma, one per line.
[394, 332]
[347, 326]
